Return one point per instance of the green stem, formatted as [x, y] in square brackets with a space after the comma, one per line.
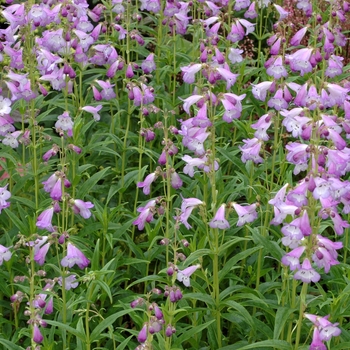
[214, 232]
[301, 313]
[125, 151]
[87, 319]
[293, 304]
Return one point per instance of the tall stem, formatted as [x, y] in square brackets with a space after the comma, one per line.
[301, 312]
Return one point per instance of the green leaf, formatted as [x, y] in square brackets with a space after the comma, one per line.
[191, 332]
[91, 182]
[343, 346]
[105, 287]
[96, 333]
[67, 328]
[240, 256]
[242, 312]
[278, 344]
[281, 318]
[17, 222]
[10, 345]
[122, 345]
[201, 297]
[95, 262]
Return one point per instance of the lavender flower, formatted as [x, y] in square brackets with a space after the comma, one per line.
[184, 275]
[307, 273]
[146, 214]
[245, 214]
[148, 65]
[4, 196]
[146, 184]
[37, 336]
[82, 208]
[94, 111]
[187, 206]
[64, 123]
[40, 254]
[189, 72]
[44, 220]
[70, 282]
[5, 254]
[219, 220]
[142, 336]
[74, 256]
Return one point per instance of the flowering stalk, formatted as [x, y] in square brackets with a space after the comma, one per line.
[214, 232]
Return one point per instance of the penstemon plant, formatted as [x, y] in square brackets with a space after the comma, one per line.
[174, 174]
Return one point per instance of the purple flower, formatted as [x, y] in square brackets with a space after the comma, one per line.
[276, 69]
[236, 33]
[82, 208]
[50, 153]
[37, 336]
[317, 343]
[188, 204]
[298, 154]
[5, 105]
[64, 123]
[142, 336]
[184, 275]
[261, 127]
[5, 254]
[233, 106]
[148, 65]
[235, 55]
[251, 150]
[15, 15]
[228, 76]
[70, 282]
[94, 111]
[4, 196]
[168, 331]
[282, 12]
[250, 27]
[191, 163]
[298, 36]
[335, 66]
[219, 220]
[158, 312]
[146, 184]
[260, 90]
[74, 256]
[251, 12]
[291, 259]
[189, 101]
[107, 92]
[146, 214]
[56, 192]
[241, 4]
[176, 181]
[11, 139]
[323, 258]
[300, 61]
[190, 71]
[245, 214]
[294, 120]
[307, 273]
[40, 254]
[104, 54]
[327, 330]
[49, 307]
[44, 220]
[278, 102]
